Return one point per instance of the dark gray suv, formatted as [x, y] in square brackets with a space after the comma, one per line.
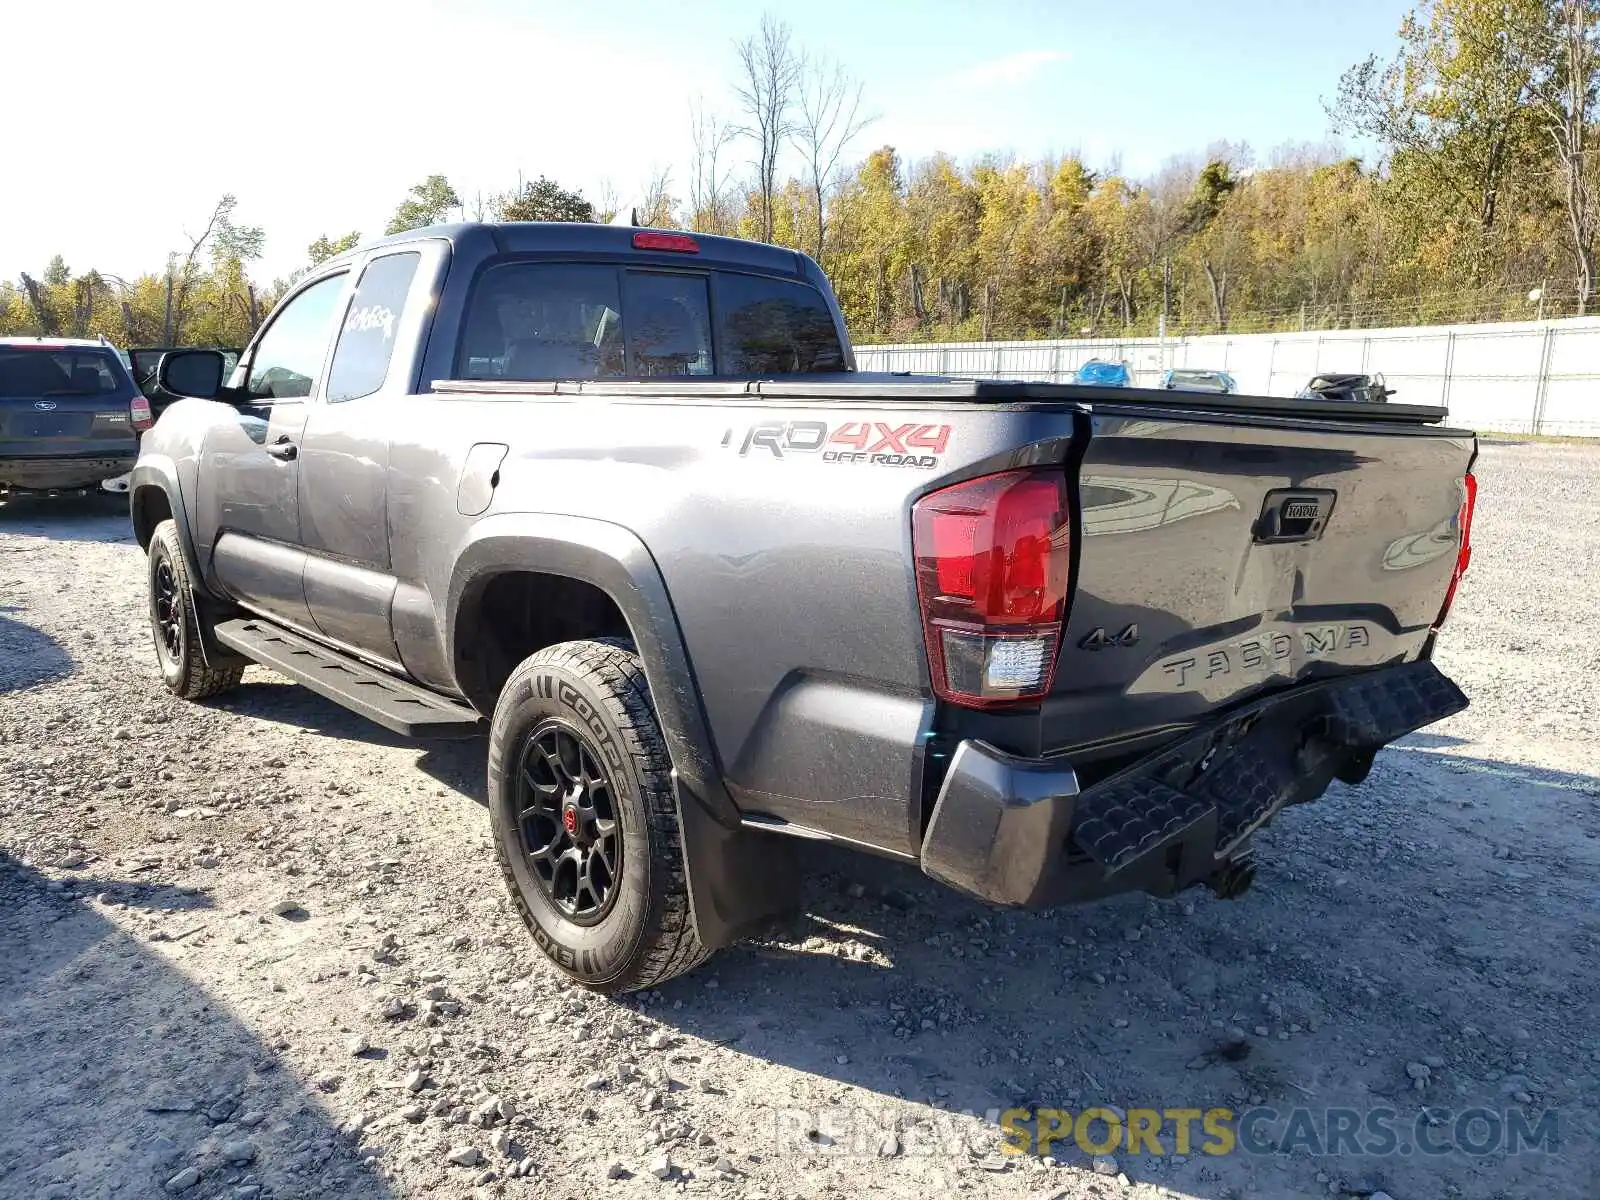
[70, 415]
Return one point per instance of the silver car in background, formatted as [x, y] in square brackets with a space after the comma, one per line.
[1194, 379]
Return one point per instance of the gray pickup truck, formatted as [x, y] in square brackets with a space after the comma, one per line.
[621, 495]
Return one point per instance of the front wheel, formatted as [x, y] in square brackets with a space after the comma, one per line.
[175, 623]
[584, 820]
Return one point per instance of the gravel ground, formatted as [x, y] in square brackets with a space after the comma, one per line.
[259, 948]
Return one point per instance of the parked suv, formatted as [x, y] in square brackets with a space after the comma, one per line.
[70, 415]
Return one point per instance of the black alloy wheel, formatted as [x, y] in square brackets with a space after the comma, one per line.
[168, 610]
[567, 815]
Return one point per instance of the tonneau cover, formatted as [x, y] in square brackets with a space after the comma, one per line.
[925, 389]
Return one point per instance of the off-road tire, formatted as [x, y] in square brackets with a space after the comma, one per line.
[183, 667]
[597, 689]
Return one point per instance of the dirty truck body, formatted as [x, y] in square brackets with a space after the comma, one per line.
[620, 498]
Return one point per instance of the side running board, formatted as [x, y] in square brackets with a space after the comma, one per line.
[391, 702]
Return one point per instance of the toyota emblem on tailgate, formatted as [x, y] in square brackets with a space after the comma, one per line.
[45, 405]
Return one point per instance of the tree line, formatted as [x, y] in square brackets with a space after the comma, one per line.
[1480, 205]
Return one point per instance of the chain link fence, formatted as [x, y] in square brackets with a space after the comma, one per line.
[1540, 377]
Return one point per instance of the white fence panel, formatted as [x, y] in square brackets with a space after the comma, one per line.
[1570, 400]
[1516, 377]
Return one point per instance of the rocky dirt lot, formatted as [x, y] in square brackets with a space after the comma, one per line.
[259, 948]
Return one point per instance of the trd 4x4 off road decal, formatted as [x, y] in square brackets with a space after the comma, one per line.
[877, 443]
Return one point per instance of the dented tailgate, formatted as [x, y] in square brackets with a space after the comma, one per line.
[1220, 557]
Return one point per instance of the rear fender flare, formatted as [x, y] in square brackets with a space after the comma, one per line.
[614, 560]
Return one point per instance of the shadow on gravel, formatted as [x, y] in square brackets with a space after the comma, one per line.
[1318, 989]
[101, 517]
[285, 703]
[27, 656]
[457, 763]
[119, 1072]
[1428, 741]
[134, 893]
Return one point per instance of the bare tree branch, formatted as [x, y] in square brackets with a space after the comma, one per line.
[181, 279]
[608, 205]
[656, 202]
[710, 134]
[769, 74]
[830, 119]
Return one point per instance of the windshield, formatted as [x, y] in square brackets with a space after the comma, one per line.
[57, 371]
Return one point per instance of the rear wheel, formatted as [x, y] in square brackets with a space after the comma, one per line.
[584, 819]
[175, 623]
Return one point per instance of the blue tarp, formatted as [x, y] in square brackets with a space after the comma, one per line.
[1104, 374]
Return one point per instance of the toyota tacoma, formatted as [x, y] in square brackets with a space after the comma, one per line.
[619, 497]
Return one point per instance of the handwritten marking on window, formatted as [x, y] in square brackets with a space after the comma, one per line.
[373, 316]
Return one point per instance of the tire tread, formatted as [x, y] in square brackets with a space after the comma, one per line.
[672, 943]
[198, 679]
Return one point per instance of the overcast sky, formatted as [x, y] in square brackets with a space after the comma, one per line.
[127, 121]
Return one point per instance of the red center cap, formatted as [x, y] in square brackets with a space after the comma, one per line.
[569, 819]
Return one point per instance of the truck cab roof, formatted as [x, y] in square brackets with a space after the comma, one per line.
[597, 242]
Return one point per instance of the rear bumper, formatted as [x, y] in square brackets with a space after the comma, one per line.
[67, 471]
[1022, 832]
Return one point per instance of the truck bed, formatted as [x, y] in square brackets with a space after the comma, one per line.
[789, 572]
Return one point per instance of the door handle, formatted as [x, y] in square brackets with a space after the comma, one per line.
[284, 449]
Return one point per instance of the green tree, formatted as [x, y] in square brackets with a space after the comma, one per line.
[428, 204]
[541, 199]
[324, 247]
[1453, 108]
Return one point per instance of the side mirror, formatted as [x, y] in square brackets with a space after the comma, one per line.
[195, 373]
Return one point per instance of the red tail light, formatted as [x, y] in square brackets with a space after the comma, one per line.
[682, 243]
[992, 557]
[1463, 556]
[139, 411]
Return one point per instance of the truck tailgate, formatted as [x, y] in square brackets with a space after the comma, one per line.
[1221, 556]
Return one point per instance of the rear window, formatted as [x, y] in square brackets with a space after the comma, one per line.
[544, 321]
[774, 327]
[32, 371]
[667, 319]
[553, 321]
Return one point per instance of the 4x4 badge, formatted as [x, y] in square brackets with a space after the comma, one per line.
[1098, 639]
